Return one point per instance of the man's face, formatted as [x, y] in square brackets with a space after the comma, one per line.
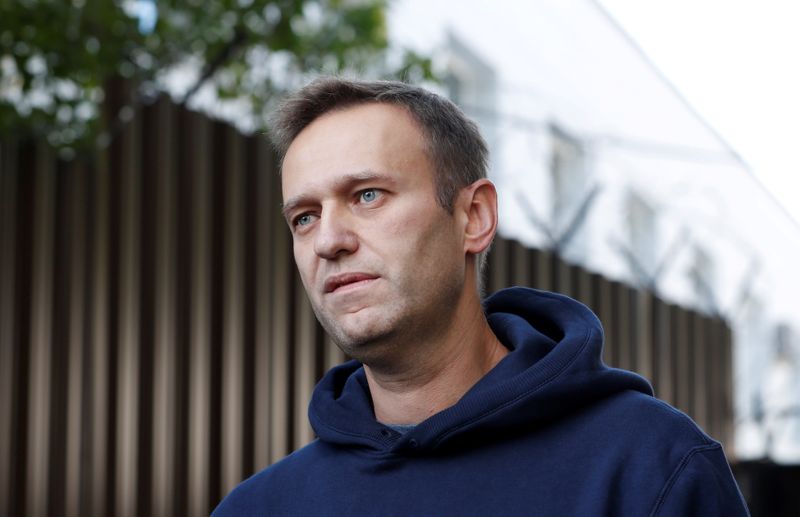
[382, 262]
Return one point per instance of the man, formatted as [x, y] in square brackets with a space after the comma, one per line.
[451, 407]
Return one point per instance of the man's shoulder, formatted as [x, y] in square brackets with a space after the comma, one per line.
[635, 418]
[699, 480]
[262, 488]
[653, 448]
[653, 410]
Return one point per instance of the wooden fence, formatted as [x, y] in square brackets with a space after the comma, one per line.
[156, 346]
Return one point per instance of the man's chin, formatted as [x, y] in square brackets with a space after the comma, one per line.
[354, 319]
[359, 339]
[360, 327]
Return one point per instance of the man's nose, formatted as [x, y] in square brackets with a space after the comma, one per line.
[334, 236]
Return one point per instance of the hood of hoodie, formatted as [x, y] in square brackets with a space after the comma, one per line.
[554, 368]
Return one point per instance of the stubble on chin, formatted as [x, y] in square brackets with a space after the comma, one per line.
[365, 335]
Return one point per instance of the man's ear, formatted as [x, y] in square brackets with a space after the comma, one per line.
[479, 204]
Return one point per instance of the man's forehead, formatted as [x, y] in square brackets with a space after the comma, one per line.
[364, 139]
[370, 121]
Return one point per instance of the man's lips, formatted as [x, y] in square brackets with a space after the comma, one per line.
[344, 279]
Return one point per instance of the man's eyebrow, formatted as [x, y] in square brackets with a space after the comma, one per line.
[290, 205]
[344, 183]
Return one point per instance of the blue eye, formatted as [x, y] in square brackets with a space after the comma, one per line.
[303, 220]
[369, 195]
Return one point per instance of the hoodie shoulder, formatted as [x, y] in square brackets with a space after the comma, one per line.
[699, 480]
[653, 419]
[664, 456]
[701, 484]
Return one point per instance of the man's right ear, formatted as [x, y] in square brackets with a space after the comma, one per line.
[479, 203]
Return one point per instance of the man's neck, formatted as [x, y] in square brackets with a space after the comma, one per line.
[436, 381]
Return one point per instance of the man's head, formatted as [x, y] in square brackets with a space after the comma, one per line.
[386, 253]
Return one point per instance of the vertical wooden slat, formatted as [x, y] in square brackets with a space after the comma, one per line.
[682, 367]
[713, 369]
[303, 347]
[715, 365]
[562, 278]
[281, 273]
[8, 207]
[575, 273]
[217, 195]
[99, 328]
[496, 263]
[634, 309]
[727, 383]
[268, 223]
[40, 332]
[622, 317]
[250, 298]
[643, 340]
[699, 365]
[662, 334]
[23, 280]
[76, 340]
[584, 286]
[543, 265]
[59, 347]
[128, 330]
[148, 253]
[164, 424]
[604, 310]
[233, 346]
[521, 265]
[199, 337]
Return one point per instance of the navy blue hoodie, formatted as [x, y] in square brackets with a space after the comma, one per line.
[550, 430]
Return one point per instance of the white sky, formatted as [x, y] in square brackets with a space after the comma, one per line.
[736, 62]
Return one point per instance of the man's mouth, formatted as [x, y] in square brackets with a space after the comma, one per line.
[345, 280]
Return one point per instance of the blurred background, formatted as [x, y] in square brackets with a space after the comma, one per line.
[156, 346]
